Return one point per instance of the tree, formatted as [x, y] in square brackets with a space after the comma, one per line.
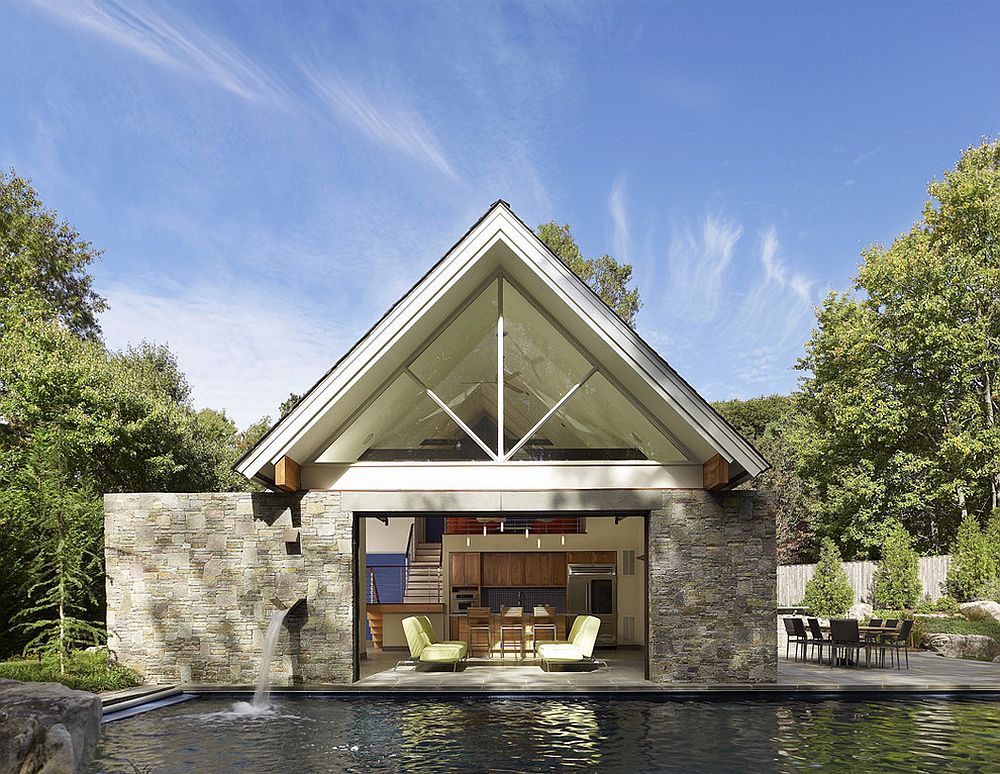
[897, 579]
[43, 263]
[899, 399]
[61, 610]
[772, 423]
[605, 276]
[972, 566]
[828, 593]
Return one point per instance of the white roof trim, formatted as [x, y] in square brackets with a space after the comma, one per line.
[500, 223]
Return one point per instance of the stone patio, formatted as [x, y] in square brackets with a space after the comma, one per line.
[927, 672]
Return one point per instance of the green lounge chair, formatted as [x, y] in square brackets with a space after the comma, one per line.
[424, 648]
[577, 649]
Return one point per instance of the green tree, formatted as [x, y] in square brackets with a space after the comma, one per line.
[972, 567]
[899, 397]
[62, 610]
[605, 276]
[43, 263]
[828, 593]
[897, 579]
[773, 424]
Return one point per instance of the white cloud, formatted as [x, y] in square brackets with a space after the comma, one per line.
[616, 204]
[393, 124]
[175, 43]
[242, 351]
[740, 301]
[698, 263]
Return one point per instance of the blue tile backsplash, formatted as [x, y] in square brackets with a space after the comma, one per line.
[495, 598]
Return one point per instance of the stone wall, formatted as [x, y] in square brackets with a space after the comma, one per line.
[193, 579]
[712, 602]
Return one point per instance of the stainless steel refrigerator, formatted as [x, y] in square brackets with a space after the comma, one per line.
[592, 589]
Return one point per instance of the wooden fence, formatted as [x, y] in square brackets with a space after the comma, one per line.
[792, 579]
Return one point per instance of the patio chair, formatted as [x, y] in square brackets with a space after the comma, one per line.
[893, 642]
[426, 649]
[876, 639]
[846, 637]
[579, 649]
[817, 638]
[793, 638]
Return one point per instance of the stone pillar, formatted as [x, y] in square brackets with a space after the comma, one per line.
[193, 580]
[712, 566]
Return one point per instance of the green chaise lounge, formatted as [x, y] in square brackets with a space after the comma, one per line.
[424, 648]
[578, 648]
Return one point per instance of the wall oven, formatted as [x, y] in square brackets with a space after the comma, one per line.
[461, 601]
[592, 589]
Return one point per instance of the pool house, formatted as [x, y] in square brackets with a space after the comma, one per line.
[499, 457]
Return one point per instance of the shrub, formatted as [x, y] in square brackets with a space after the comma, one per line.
[84, 670]
[828, 592]
[897, 579]
[972, 565]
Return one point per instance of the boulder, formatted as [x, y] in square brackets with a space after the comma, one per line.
[860, 611]
[47, 728]
[977, 647]
[981, 609]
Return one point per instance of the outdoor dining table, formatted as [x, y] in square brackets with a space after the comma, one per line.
[866, 632]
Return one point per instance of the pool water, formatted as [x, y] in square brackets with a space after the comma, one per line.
[312, 734]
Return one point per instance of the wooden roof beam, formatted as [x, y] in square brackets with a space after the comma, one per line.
[716, 473]
[288, 475]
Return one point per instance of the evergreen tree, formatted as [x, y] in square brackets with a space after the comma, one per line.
[972, 566]
[897, 580]
[829, 593]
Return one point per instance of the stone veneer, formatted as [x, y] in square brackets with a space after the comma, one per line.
[712, 566]
[192, 580]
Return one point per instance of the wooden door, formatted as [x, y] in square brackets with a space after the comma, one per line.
[592, 557]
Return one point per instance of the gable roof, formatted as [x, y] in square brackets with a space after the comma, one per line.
[499, 241]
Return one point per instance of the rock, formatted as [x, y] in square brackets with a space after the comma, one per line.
[996, 660]
[977, 647]
[860, 611]
[47, 728]
[981, 609]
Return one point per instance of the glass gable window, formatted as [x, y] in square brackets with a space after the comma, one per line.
[403, 423]
[597, 422]
[540, 365]
[460, 366]
[554, 403]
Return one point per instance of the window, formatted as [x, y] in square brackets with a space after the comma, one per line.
[554, 404]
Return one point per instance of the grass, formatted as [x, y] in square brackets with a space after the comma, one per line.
[85, 671]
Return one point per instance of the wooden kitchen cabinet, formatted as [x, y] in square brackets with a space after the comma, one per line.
[504, 568]
[464, 568]
[592, 557]
[545, 569]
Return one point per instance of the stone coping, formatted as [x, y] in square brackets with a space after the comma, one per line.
[680, 689]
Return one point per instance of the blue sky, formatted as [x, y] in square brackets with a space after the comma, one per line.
[266, 179]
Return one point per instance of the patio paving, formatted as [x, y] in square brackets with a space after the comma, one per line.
[927, 673]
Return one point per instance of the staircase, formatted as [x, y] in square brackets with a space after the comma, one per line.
[423, 575]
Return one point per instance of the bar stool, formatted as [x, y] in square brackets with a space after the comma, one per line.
[511, 622]
[544, 621]
[478, 619]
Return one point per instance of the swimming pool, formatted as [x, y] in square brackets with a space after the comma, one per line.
[312, 734]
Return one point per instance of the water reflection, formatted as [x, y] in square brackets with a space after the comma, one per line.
[429, 735]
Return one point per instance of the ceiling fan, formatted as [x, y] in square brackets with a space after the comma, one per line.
[508, 377]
